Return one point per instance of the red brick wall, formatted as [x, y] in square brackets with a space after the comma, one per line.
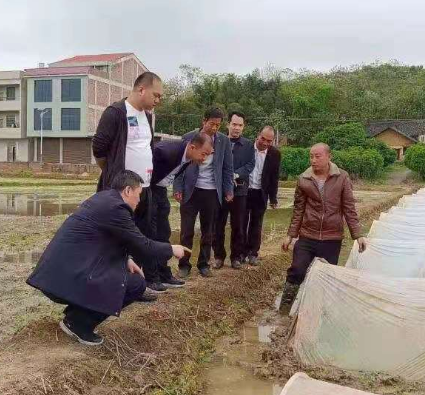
[92, 120]
[130, 71]
[50, 150]
[102, 90]
[126, 93]
[116, 74]
[116, 93]
[76, 151]
[92, 92]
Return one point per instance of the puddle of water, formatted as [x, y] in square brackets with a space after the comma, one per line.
[231, 372]
[39, 204]
[232, 380]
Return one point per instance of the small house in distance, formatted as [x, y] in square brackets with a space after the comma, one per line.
[399, 135]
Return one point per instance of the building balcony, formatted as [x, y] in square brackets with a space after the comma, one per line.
[10, 133]
[10, 105]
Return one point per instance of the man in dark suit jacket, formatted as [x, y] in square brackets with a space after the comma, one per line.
[201, 190]
[243, 164]
[170, 159]
[263, 187]
[87, 265]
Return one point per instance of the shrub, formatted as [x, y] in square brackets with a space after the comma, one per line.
[388, 154]
[294, 161]
[359, 162]
[342, 137]
[415, 159]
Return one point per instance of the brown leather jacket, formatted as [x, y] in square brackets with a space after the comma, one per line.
[322, 219]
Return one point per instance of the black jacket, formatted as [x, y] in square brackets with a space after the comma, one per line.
[85, 263]
[270, 175]
[243, 164]
[110, 141]
[167, 155]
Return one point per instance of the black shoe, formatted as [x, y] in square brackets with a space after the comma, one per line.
[86, 338]
[157, 287]
[206, 272]
[253, 260]
[289, 293]
[184, 272]
[236, 264]
[173, 282]
[218, 263]
[148, 296]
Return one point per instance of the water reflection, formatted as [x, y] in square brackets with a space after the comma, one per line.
[232, 380]
[39, 204]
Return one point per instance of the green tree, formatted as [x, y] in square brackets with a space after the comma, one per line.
[415, 159]
[342, 136]
[294, 161]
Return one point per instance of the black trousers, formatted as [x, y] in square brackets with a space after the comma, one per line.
[253, 222]
[86, 320]
[143, 220]
[237, 216]
[205, 203]
[161, 230]
[305, 250]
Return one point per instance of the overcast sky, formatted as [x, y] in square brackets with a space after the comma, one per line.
[216, 35]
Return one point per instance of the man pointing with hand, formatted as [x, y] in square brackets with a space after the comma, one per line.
[89, 265]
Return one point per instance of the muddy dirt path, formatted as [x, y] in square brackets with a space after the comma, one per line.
[149, 347]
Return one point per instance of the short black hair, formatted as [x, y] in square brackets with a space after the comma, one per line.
[126, 178]
[238, 114]
[146, 79]
[214, 112]
[199, 139]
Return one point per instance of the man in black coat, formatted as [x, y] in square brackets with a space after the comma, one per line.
[87, 264]
[263, 187]
[170, 159]
[243, 163]
[124, 140]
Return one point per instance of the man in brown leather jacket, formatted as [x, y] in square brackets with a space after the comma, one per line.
[323, 198]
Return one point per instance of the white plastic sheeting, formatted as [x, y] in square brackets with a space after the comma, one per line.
[301, 384]
[393, 258]
[412, 201]
[394, 231]
[399, 218]
[361, 321]
[370, 315]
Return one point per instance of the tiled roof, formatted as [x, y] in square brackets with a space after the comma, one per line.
[411, 129]
[45, 71]
[109, 57]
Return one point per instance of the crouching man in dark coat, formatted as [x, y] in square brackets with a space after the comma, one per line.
[88, 264]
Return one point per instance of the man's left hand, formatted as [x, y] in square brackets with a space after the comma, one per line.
[133, 268]
[229, 198]
[361, 241]
[273, 205]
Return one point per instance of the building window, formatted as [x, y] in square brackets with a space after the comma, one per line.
[10, 93]
[71, 90]
[43, 91]
[47, 119]
[10, 121]
[70, 119]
